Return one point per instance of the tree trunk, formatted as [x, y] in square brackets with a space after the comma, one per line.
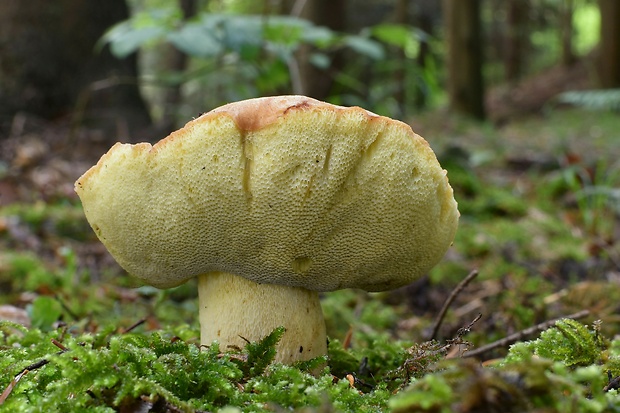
[400, 75]
[516, 37]
[50, 65]
[317, 82]
[176, 62]
[609, 63]
[465, 84]
[566, 32]
[426, 14]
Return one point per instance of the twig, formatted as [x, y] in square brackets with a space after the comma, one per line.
[36, 365]
[523, 333]
[6, 393]
[134, 326]
[346, 344]
[473, 274]
[464, 330]
[612, 382]
[59, 345]
[458, 339]
[420, 355]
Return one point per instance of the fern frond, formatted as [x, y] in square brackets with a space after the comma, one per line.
[605, 99]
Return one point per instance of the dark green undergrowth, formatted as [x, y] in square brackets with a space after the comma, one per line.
[569, 368]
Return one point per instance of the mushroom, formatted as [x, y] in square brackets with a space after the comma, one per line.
[268, 202]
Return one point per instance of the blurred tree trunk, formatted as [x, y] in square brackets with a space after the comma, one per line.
[609, 64]
[176, 62]
[566, 32]
[50, 66]
[465, 84]
[400, 75]
[314, 81]
[426, 13]
[516, 38]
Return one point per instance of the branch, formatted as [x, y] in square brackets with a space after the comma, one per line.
[473, 274]
[134, 326]
[12, 385]
[523, 333]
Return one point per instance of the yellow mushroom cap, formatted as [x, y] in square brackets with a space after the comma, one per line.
[283, 190]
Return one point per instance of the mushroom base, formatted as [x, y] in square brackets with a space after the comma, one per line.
[233, 309]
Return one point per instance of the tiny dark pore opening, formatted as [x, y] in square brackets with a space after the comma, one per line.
[301, 349]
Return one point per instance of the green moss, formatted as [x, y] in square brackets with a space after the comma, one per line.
[533, 385]
[564, 370]
[63, 219]
[351, 309]
[106, 372]
[431, 395]
[568, 341]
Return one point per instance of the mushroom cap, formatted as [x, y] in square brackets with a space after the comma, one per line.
[283, 190]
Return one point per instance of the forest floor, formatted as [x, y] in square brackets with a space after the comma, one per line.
[539, 200]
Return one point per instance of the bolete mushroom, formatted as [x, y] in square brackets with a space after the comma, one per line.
[269, 201]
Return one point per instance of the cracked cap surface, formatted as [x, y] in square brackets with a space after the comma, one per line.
[284, 190]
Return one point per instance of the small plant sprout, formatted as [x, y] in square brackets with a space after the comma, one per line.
[268, 202]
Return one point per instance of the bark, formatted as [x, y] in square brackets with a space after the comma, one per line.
[463, 31]
[317, 82]
[516, 37]
[566, 32]
[609, 61]
[176, 61]
[400, 76]
[50, 65]
[426, 15]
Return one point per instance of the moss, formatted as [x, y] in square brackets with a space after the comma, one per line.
[569, 342]
[60, 220]
[533, 385]
[565, 370]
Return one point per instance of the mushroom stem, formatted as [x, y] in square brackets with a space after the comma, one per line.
[233, 308]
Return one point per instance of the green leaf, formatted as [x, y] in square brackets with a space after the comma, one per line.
[293, 31]
[285, 31]
[318, 36]
[125, 39]
[195, 40]
[273, 74]
[393, 34]
[238, 31]
[320, 60]
[404, 37]
[44, 312]
[365, 46]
